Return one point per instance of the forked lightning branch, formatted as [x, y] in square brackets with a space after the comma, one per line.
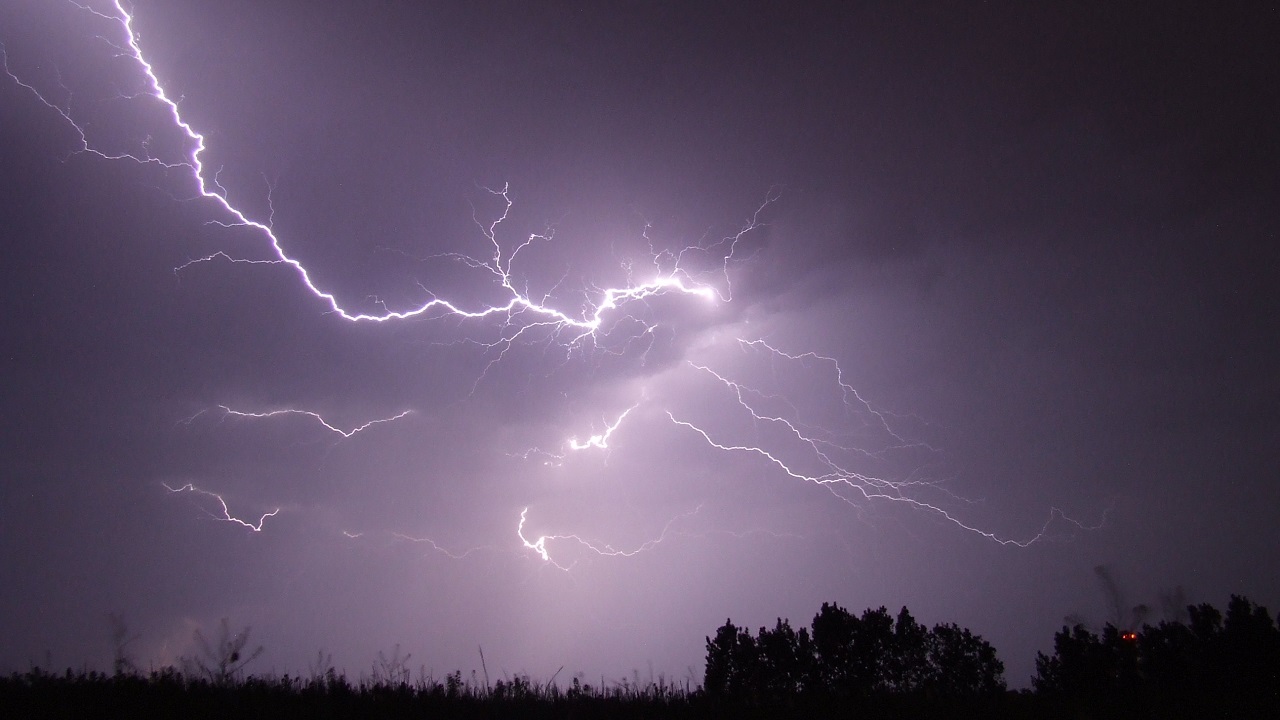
[522, 317]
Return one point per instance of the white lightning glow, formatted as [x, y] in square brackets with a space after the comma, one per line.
[845, 483]
[539, 544]
[229, 412]
[520, 313]
[226, 515]
[852, 399]
[521, 316]
[601, 440]
[453, 554]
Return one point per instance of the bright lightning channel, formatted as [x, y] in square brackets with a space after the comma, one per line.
[836, 476]
[601, 441]
[539, 544]
[229, 412]
[437, 547]
[513, 312]
[226, 515]
[848, 392]
[521, 313]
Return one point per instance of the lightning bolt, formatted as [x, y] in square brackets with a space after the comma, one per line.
[599, 441]
[520, 311]
[852, 400]
[441, 549]
[229, 412]
[521, 316]
[602, 440]
[845, 483]
[539, 544]
[226, 515]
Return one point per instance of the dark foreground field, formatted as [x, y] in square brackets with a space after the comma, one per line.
[168, 694]
[1205, 665]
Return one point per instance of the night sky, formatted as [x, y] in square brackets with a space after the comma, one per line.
[1036, 245]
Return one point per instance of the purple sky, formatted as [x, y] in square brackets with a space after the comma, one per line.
[1037, 247]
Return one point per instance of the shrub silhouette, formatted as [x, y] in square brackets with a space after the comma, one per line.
[222, 661]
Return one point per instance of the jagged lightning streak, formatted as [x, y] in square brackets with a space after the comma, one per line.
[848, 393]
[437, 547]
[229, 412]
[601, 440]
[539, 544]
[834, 476]
[520, 311]
[226, 512]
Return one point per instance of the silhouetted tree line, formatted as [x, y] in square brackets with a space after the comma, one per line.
[1209, 665]
[846, 656]
[843, 665]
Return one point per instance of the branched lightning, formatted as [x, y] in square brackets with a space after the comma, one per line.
[226, 515]
[229, 412]
[539, 544]
[520, 313]
[843, 482]
[601, 440]
[442, 549]
[852, 400]
[523, 316]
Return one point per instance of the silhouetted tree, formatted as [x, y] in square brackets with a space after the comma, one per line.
[847, 656]
[962, 665]
[833, 634]
[907, 668]
[1078, 667]
[855, 656]
[1230, 664]
[872, 652]
[785, 660]
[1250, 649]
[731, 662]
